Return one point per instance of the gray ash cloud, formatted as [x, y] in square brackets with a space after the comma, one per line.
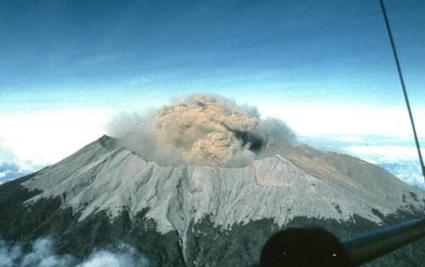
[202, 129]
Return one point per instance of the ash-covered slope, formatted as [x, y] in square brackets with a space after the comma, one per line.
[306, 182]
[197, 215]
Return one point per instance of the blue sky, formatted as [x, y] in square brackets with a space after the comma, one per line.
[325, 67]
[86, 53]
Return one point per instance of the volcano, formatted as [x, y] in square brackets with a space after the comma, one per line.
[203, 183]
[194, 215]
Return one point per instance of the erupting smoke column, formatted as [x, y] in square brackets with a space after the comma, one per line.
[202, 129]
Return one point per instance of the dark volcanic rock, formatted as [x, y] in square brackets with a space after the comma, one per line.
[206, 244]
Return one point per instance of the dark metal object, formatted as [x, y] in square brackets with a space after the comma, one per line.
[318, 247]
[304, 247]
[403, 86]
[384, 240]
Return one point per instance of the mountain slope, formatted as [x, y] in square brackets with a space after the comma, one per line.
[187, 215]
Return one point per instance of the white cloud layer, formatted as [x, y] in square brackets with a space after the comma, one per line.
[44, 137]
[385, 153]
[309, 119]
[42, 254]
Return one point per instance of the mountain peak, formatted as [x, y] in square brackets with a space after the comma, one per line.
[106, 176]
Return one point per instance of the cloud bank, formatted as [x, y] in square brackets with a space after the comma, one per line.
[44, 137]
[11, 167]
[201, 129]
[42, 254]
[396, 155]
[10, 171]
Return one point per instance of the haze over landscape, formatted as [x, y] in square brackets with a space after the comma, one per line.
[151, 129]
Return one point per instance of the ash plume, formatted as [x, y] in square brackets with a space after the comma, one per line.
[202, 129]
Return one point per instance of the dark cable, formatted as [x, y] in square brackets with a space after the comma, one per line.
[403, 86]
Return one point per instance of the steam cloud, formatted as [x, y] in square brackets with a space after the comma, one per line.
[202, 129]
[42, 254]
